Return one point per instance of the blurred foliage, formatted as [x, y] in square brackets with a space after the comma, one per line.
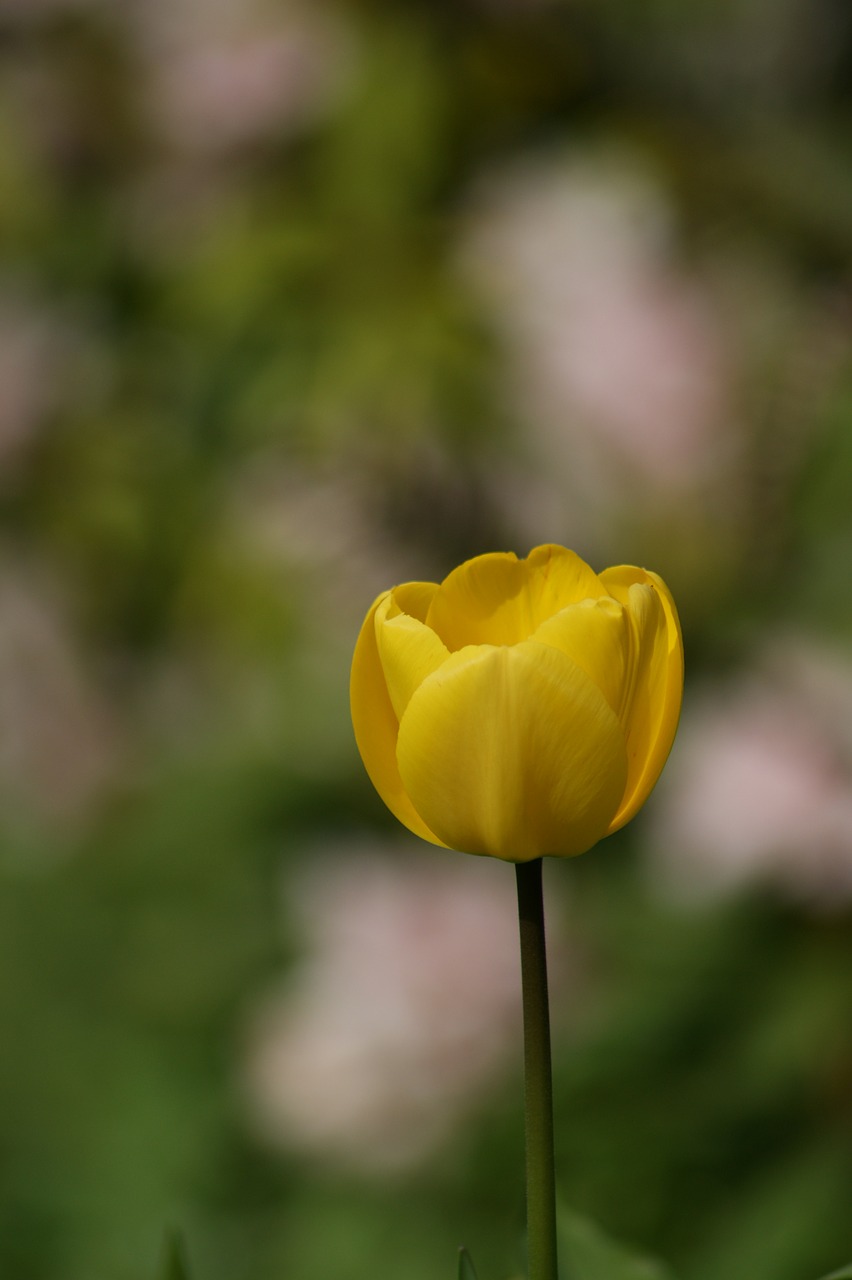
[589, 1255]
[174, 1262]
[467, 1271]
[280, 316]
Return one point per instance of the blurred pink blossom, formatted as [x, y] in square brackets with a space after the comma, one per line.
[759, 786]
[27, 372]
[405, 1009]
[619, 363]
[50, 357]
[222, 76]
[317, 520]
[58, 742]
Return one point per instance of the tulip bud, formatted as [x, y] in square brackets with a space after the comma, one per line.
[520, 708]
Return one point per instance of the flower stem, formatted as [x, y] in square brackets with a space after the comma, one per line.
[538, 1094]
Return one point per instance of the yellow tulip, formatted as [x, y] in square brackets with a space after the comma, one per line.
[520, 707]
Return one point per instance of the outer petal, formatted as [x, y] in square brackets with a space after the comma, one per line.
[598, 636]
[413, 598]
[376, 726]
[652, 711]
[498, 599]
[512, 752]
[409, 651]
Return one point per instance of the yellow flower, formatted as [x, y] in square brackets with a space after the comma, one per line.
[521, 707]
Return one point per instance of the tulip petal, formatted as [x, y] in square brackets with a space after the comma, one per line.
[559, 578]
[409, 651]
[598, 636]
[651, 714]
[413, 598]
[376, 725]
[498, 599]
[512, 752]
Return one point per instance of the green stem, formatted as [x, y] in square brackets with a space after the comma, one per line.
[541, 1176]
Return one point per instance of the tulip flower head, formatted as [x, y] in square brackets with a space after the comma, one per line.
[520, 708]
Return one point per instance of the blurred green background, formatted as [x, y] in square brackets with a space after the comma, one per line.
[298, 300]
